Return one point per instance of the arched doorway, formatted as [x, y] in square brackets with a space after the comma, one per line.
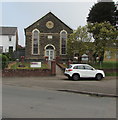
[50, 51]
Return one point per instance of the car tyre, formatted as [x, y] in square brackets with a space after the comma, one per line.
[99, 77]
[76, 77]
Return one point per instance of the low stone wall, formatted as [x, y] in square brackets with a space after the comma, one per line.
[26, 72]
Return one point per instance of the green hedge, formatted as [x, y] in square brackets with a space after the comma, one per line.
[3, 61]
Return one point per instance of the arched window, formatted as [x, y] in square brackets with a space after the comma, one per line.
[35, 42]
[63, 42]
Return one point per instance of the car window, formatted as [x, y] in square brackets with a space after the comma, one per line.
[75, 67]
[78, 67]
[88, 68]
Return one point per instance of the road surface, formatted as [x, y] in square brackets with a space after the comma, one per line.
[38, 102]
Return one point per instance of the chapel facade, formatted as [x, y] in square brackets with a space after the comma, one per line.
[47, 38]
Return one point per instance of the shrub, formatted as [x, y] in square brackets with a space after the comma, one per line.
[3, 61]
[9, 56]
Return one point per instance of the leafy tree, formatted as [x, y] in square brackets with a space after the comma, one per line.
[101, 12]
[116, 16]
[105, 36]
[77, 42]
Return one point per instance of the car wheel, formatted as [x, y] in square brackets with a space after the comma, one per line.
[76, 77]
[99, 76]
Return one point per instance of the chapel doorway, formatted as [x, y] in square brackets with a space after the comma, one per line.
[50, 52]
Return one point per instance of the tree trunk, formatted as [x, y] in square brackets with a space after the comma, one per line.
[101, 58]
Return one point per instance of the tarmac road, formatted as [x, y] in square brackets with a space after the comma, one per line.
[23, 102]
[106, 86]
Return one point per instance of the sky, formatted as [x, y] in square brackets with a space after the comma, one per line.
[22, 14]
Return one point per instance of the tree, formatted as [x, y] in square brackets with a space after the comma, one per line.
[101, 12]
[116, 16]
[105, 36]
[77, 42]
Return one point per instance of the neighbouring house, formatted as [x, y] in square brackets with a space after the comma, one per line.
[47, 39]
[8, 39]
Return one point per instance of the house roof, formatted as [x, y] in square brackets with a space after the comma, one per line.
[47, 15]
[8, 30]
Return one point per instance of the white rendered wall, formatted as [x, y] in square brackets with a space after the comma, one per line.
[4, 41]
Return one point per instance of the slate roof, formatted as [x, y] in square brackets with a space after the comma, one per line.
[8, 30]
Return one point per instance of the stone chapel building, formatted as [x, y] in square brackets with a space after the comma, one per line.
[47, 38]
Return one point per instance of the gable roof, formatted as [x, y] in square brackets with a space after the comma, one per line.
[50, 13]
[8, 30]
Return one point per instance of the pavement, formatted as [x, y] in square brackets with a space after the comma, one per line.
[104, 88]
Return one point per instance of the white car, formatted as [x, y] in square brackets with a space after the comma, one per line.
[77, 71]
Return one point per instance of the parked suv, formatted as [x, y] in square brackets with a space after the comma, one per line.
[77, 71]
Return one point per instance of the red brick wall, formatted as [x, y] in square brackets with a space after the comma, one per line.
[53, 67]
[26, 72]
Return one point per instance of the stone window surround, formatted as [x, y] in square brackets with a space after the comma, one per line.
[33, 41]
[61, 42]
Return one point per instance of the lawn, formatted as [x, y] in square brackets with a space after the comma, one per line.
[105, 65]
[112, 74]
[27, 66]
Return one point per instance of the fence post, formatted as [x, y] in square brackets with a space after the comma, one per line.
[53, 67]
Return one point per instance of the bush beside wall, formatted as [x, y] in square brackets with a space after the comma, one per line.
[3, 61]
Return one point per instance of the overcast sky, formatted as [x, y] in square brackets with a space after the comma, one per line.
[23, 14]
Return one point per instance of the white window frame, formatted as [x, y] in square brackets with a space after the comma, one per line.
[33, 41]
[61, 42]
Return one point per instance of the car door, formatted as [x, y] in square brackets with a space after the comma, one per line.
[79, 69]
[89, 71]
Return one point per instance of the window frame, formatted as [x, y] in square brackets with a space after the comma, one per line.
[33, 41]
[61, 42]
